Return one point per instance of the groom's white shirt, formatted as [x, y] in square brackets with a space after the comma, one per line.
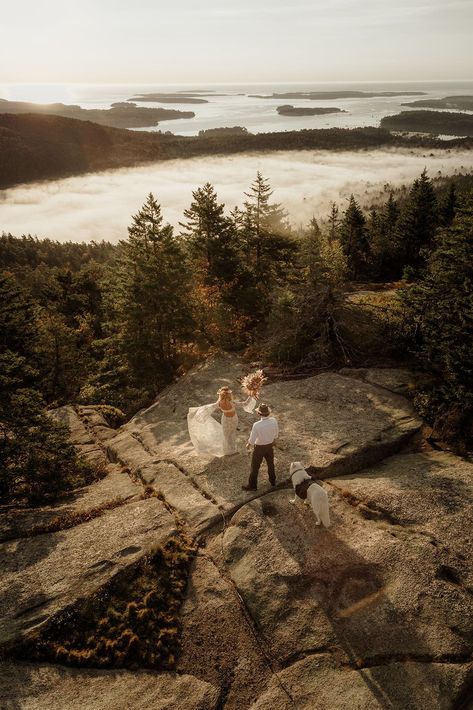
[264, 432]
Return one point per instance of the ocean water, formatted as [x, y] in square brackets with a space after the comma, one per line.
[99, 205]
[235, 107]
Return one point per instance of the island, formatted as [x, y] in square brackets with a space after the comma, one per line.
[435, 122]
[224, 131]
[203, 92]
[120, 115]
[176, 97]
[288, 110]
[461, 103]
[328, 95]
[170, 98]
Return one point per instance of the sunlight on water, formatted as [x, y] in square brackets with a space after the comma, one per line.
[38, 93]
[235, 105]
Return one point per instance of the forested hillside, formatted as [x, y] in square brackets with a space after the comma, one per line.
[113, 324]
[436, 122]
[36, 147]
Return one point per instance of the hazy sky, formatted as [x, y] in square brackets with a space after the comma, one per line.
[223, 40]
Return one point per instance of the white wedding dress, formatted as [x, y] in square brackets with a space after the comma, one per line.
[213, 438]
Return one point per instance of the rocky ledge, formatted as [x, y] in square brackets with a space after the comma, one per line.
[374, 612]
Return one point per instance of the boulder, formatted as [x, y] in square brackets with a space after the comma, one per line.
[47, 574]
[39, 686]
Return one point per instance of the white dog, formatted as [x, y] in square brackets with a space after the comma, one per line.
[309, 493]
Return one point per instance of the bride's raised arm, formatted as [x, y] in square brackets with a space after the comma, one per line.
[248, 404]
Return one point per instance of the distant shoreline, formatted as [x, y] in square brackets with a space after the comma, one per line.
[329, 95]
[37, 147]
[121, 114]
[432, 122]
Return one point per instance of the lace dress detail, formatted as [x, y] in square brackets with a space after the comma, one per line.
[229, 429]
[208, 436]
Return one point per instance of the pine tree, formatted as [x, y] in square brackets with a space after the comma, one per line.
[267, 230]
[265, 214]
[390, 214]
[417, 223]
[302, 323]
[440, 314]
[333, 222]
[448, 206]
[354, 240]
[36, 461]
[153, 312]
[222, 284]
[311, 249]
[321, 257]
[209, 235]
[384, 264]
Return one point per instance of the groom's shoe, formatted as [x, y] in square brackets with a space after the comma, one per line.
[249, 488]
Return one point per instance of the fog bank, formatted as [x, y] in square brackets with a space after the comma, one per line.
[99, 206]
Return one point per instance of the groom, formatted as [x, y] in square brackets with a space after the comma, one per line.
[262, 438]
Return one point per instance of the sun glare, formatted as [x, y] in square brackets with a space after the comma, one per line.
[37, 93]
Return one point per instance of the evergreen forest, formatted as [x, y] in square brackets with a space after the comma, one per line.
[113, 324]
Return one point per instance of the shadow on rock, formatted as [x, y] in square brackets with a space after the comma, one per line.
[341, 590]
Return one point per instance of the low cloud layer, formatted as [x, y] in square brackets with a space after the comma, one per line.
[99, 206]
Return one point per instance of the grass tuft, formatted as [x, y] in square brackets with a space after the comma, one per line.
[134, 623]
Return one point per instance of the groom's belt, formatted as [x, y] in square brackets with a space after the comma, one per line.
[302, 488]
[270, 444]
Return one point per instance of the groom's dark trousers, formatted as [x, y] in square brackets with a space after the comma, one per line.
[260, 452]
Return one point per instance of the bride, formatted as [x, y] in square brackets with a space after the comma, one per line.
[210, 437]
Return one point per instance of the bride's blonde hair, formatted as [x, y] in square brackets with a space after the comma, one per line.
[225, 392]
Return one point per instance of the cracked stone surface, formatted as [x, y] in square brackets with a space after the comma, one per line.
[357, 588]
[336, 424]
[218, 643]
[430, 493]
[44, 575]
[38, 686]
[181, 493]
[375, 612]
[395, 379]
[317, 683]
[117, 485]
[85, 443]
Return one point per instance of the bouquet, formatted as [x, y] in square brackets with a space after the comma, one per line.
[253, 382]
